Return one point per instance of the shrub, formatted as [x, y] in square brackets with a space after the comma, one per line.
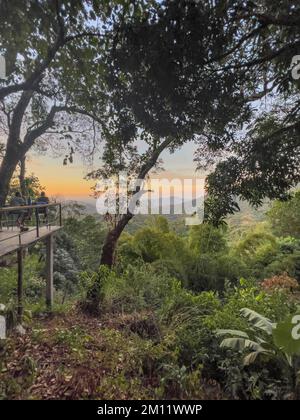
[139, 288]
[33, 284]
[258, 345]
[281, 282]
[94, 283]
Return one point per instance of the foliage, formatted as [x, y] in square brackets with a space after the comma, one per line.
[206, 238]
[93, 284]
[165, 336]
[284, 217]
[136, 289]
[65, 272]
[145, 78]
[87, 236]
[281, 282]
[33, 283]
[258, 346]
[263, 340]
[32, 186]
[256, 151]
[265, 255]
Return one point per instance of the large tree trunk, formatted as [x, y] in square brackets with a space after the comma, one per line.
[22, 177]
[109, 248]
[111, 240]
[15, 150]
[94, 294]
[7, 168]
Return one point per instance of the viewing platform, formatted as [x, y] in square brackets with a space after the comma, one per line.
[12, 240]
[42, 221]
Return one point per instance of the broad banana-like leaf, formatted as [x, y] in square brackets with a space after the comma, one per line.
[236, 333]
[258, 320]
[241, 344]
[251, 357]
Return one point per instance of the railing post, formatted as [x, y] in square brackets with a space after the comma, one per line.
[37, 222]
[60, 215]
[49, 271]
[20, 286]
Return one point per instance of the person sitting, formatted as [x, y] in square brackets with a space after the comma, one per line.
[17, 201]
[43, 199]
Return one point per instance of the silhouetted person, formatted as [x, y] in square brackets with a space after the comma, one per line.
[43, 199]
[17, 201]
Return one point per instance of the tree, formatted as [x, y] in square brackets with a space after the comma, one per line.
[87, 234]
[66, 265]
[212, 263]
[31, 186]
[52, 52]
[264, 162]
[164, 94]
[205, 238]
[251, 46]
[284, 217]
[157, 244]
[175, 76]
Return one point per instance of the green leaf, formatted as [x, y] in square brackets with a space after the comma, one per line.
[258, 321]
[251, 358]
[241, 344]
[236, 333]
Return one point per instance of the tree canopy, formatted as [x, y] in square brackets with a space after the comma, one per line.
[206, 69]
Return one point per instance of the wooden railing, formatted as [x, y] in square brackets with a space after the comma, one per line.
[32, 214]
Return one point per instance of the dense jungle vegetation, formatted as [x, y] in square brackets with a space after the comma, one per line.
[172, 289]
[146, 307]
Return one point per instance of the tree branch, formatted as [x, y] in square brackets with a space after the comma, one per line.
[32, 82]
[153, 159]
[32, 135]
[17, 116]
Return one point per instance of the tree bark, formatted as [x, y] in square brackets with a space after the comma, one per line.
[111, 240]
[94, 295]
[7, 168]
[15, 150]
[22, 177]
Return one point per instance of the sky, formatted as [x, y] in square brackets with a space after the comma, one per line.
[68, 183]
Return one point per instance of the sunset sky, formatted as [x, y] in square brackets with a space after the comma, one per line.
[68, 182]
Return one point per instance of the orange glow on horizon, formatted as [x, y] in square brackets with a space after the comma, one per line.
[69, 181]
[68, 187]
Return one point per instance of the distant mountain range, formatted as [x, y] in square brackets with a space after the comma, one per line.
[89, 207]
[247, 215]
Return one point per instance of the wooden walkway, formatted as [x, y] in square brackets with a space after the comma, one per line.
[11, 240]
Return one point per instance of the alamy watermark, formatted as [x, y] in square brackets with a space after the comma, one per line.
[296, 329]
[2, 67]
[122, 194]
[295, 67]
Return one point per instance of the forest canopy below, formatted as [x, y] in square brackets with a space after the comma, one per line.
[171, 289]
